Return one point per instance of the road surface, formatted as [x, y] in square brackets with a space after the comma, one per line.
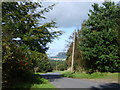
[61, 82]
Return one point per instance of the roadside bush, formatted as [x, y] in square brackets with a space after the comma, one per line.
[68, 74]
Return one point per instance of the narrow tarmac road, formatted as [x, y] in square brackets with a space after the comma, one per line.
[61, 82]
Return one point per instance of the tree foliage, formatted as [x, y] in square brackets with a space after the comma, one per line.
[78, 56]
[24, 38]
[97, 43]
[100, 34]
[58, 65]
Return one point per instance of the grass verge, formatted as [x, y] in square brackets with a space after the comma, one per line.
[95, 75]
[35, 82]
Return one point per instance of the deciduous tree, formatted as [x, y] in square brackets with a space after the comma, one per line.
[100, 34]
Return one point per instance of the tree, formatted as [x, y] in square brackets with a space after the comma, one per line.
[23, 20]
[78, 57]
[25, 24]
[99, 44]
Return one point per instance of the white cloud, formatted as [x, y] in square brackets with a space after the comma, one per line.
[69, 14]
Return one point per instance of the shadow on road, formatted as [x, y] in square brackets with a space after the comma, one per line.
[51, 76]
[107, 86]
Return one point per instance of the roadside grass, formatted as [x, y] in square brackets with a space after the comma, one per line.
[38, 73]
[95, 75]
[47, 85]
[43, 72]
[61, 72]
[35, 82]
[51, 72]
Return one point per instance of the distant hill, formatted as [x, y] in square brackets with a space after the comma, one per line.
[60, 55]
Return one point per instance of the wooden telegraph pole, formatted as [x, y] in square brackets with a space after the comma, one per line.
[73, 52]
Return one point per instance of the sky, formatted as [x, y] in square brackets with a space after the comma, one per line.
[68, 16]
